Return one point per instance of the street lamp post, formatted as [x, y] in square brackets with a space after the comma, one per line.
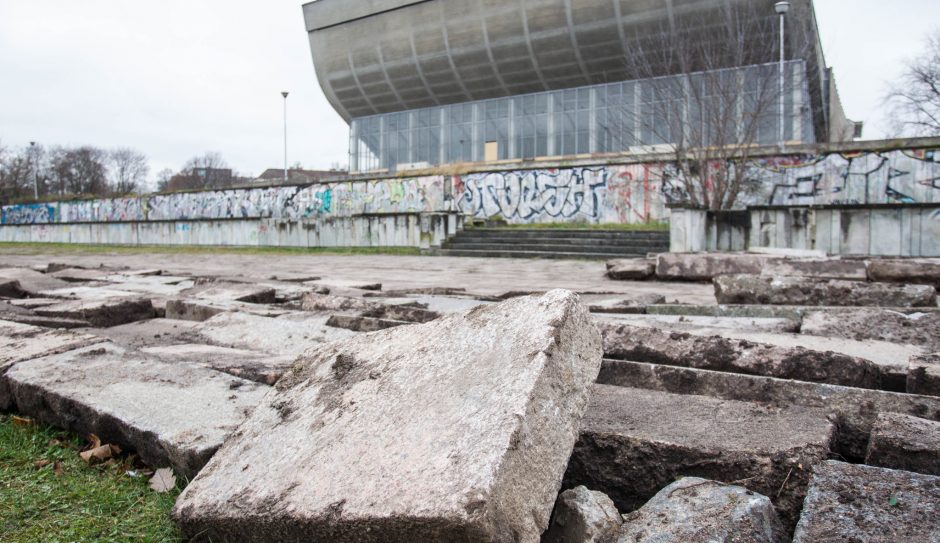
[32, 152]
[284, 94]
[782, 8]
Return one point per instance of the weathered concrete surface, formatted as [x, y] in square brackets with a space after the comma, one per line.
[583, 516]
[401, 312]
[203, 310]
[756, 289]
[853, 409]
[287, 335]
[905, 271]
[634, 305]
[634, 442]
[101, 313]
[362, 324]
[31, 280]
[793, 313]
[153, 332]
[80, 275]
[695, 510]
[716, 353]
[923, 374]
[252, 365]
[171, 414]
[879, 324]
[681, 322]
[326, 302]
[231, 292]
[19, 342]
[631, 269]
[10, 288]
[707, 266]
[431, 432]
[90, 293]
[849, 502]
[906, 443]
[819, 268]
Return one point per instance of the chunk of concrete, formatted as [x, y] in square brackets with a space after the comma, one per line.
[756, 289]
[101, 313]
[849, 502]
[80, 275]
[631, 269]
[904, 442]
[136, 335]
[231, 292]
[203, 310]
[633, 305]
[696, 510]
[910, 328]
[362, 324]
[634, 442]
[252, 365]
[641, 344]
[707, 266]
[923, 374]
[431, 432]
[401, 312]
[853, 409]
[583, 516]
[905, 271]
[817, 268]
[170, 414]
[325, 302]
[682, 322]
[20, 342]
[32, 280]
[10, 288]
[287, 335]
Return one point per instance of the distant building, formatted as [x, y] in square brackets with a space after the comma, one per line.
[429, 82]
[297, 176]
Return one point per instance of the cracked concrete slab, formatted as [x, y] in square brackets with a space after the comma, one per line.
[288, 335]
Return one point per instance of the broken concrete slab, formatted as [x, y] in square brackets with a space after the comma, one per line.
[288, 335]
[634, 305]
[910, 328]
[788, 252]
[45, 322]
[401, 312]
[583, 516]
[696, 510]
[252, 365]
[203, 310]
[362, 324]
[631, 269]
[10, 288]
[793, 313]
[629, 449]
[230, 292]
[757, 289]
[707, 266]
[923, 374]
[906, 443]
[31, 280]
[853, 409]
[101, 313]
[153, 332]
[431, 432]
[20, 342]
[91, 293]
[682, 322]
[905, 271]
[716, 353]
[33, 303]
[80, 275]
[849, 502]
[170, 414]
[818, 268]
[326, 302]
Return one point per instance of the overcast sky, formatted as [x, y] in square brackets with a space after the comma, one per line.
[175, 78]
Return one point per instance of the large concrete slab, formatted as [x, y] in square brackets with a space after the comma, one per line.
[101, 313]
[455, 430]
[905, 271]
[910, 328]
[173, 415]
[634, 442]
[32, 280]
[817, 268]
[230, 292]
[904, 442]
[631, 269]
[10, 288]
[136, 335]
[849, 502]
[757, 289]
[252, 365]
[203, 310]
[923, 374]
[683, 322]
[707, 266]
[287, 335]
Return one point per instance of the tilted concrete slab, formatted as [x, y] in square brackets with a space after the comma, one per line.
[682, 322]
[90, 293]
[101, 313]
[173, 415]
[10, 288]
[203, 310]
[912, 328]
[849, 502]
[433, 432]
[904, 442]
[362, 324]
[634, 442]
[32, 280]
[757, 289]
[288, 335]
[230, 292]
[820, 268]
[252, 365]
[707, 266]
[326, 302]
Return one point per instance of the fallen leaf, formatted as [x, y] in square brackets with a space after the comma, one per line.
[23, 421]
[163, 480]
[57, 468]
[41, 463]
[94, 440]
[96, 455]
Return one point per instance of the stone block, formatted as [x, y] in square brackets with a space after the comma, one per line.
[10, 288]
[906, 443]
[634, 442]
[324, 302]
[923, 374]
[695, 510]
[173, 415]
[101, 313]
[911, 328]
[633, 305]
[203, 310]
[287, 335]
[707, 266]
[694, 322]
[252, 365]
[583, 516]
[716, 353]
[819, 268]
[631, 269]
[231, 292]
[431, 432]
[756, 289]
[905, 271]
[31, 280]
[362, 324]
[847, 502]
[401, 312]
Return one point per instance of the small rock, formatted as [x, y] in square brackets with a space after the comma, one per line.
[630, 269]
[583, 516]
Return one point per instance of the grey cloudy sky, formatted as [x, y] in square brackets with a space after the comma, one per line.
[175, 78]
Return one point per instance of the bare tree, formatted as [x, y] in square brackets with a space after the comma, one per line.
[915, 99]
[79, 171]
[127, 170]
[164, 177]
[208, 171]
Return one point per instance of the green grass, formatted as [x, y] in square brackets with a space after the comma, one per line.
[82, 504]
[45, 248]
[644, 227]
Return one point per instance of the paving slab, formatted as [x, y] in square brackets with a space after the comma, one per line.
[633, 305]
[401, 312]
[31, 280]
[362, 324]
[673, 348]
[430, 432]
[287, 335]
[694, 322]
[170, 414]
[911, 328]
[90, 293]
[849, 502]
[252, 365]
[325, 302]
[696, 510]
[631, 269]
[634, 442]
[794, 313]
[817, 268]
[230, 292]
[153, 332]
[923, 374]
[32, 303]
[203, 310]
[101, 313]
[583, 516]
[757, 289]
[853, 409]
[906, 443]
[707, 266]
[905, 271]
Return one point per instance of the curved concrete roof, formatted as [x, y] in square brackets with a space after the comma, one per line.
[380, 56]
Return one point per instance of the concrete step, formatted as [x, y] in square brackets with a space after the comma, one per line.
[547, 247]
[522, 254]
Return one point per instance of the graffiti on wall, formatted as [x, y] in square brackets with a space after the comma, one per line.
[28, 214]
[102, 210]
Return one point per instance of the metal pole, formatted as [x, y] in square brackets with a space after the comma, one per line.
[32, 148]
[781, 77]
[284, 94]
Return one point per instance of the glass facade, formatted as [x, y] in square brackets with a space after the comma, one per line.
[734, 105]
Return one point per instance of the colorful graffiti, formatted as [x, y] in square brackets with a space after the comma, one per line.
[28, 214]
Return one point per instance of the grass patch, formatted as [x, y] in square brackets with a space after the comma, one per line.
[65, 248]
[644, 227]
[83, 503]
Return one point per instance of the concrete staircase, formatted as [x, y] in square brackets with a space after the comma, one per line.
[553, 243]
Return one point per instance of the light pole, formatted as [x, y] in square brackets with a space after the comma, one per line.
[782, 8]
[284, 94]
[32, 152]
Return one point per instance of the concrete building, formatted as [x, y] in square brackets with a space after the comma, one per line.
[429, 82]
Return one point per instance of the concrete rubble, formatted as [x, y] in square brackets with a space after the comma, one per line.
[848, 502]
[910, 327]
[923, 374]
[696, 510]
[101, 313]
[757, 289]
[583, 516]
[905, 271]
[631, 269]
[442, 434]
[906, 443]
